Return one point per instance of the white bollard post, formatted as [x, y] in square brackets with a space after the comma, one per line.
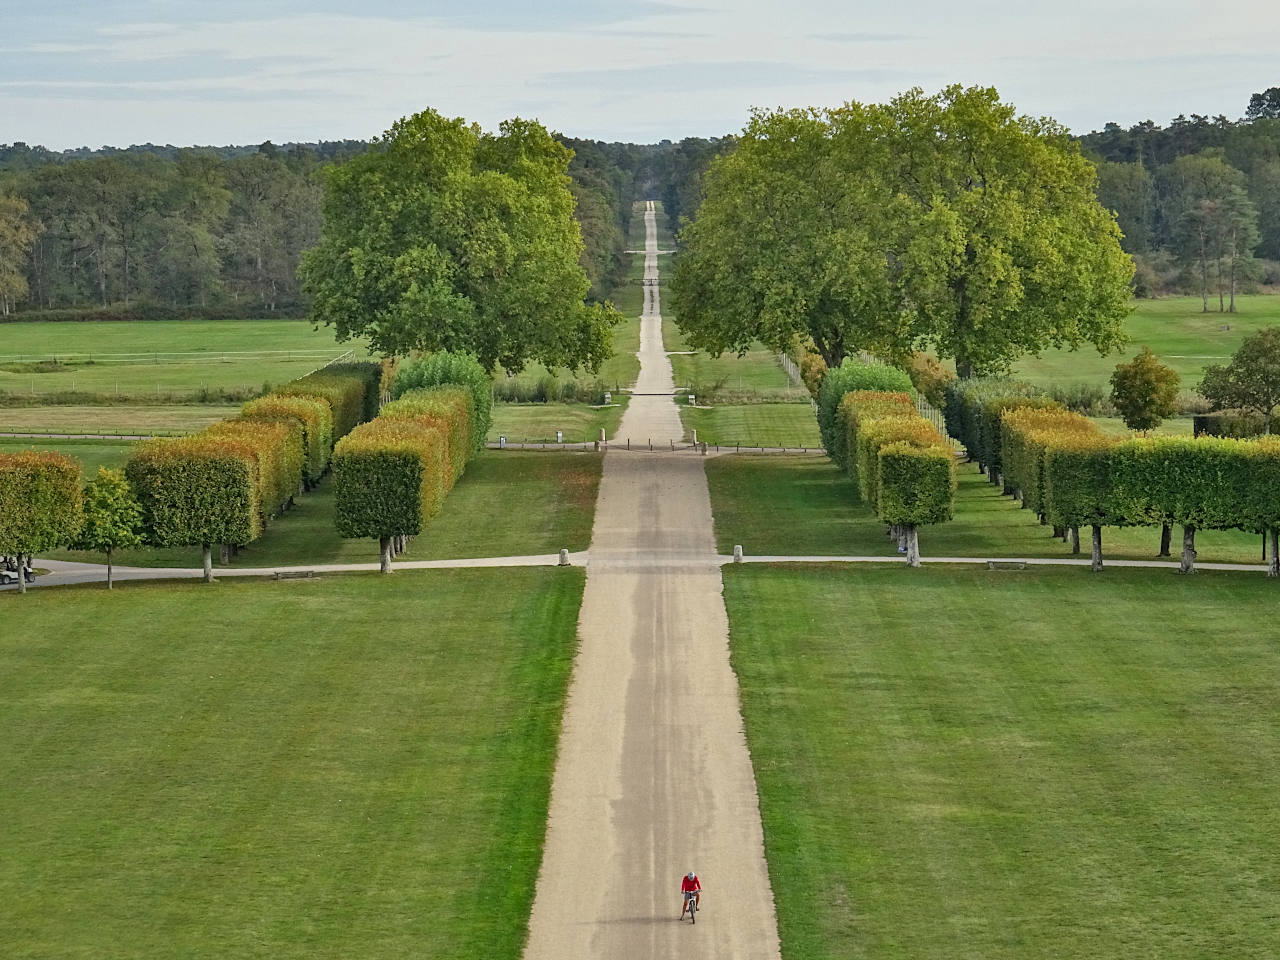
[695, 438]
[737, 553]
[559, 436]
[608, 399]
[602, 435]
[564, 557]
[502, 443]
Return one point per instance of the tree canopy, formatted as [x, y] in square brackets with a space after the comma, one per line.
[945, 222]
[1144, 391]
[1251, 381]
[443, 237]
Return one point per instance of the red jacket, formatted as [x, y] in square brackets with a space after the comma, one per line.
[688, 886]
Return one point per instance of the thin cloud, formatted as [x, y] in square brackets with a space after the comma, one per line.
[864, 37]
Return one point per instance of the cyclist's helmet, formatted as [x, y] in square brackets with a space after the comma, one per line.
[691, 874]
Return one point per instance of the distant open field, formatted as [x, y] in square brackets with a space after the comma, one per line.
[354, 766]
[92, 454]
[1174, 328]
[171, 418]
[161, 358]
[578, 422]
[753, 424]
[1037, 765]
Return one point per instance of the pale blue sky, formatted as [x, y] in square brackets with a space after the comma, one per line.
[242, 71]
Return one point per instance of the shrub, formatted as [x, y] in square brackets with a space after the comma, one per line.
[41, 503]
[1078, 488]
[849, 376]
[1026, 435]
[930, 378]
[962, 409]
[856, 407]
[313, 416]
[196, 491]
[917, 484]
[347, 394]
[389, 478]
[1195, 482]
[1230, 423]
[990, 417]
[276, 447]
[463, 370]
[449, 408]
[878, 432]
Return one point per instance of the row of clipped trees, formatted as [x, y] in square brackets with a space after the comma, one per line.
[394, 465]
[1060, 465]
[392, 474]
[902, 466]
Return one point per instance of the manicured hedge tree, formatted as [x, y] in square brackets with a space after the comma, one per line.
[347, 392]
[390, 477]
[989, 436]
[313, 416]
[41, 504]
[276, 447]
[1197, 483]
[878, 432]
[1078, 489]
[858, 407]
[197, 491]
[917, 486]
[1026, 433]
[1261, 499]
[448, 407]
[452, 369]
[850, 376]
[963, 410]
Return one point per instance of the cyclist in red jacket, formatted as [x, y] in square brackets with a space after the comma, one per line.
[691, 887]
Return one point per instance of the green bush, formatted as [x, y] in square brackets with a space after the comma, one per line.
[1195, 482]
[41, 503]
[856, 407]
[346, 393]
[1078, 482]
[917, 485]
[390, 477]
[992, 412]
[276, 447]
[878, 432]
[456, 369]
[849, 376]
[313, 416]
[196, 491]
[369, 373]
[1026, 435]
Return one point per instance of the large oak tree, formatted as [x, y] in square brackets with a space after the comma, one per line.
[443, 237]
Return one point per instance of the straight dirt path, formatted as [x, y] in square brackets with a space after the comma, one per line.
[653, 777]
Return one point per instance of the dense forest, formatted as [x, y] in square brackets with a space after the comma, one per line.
[160, 230]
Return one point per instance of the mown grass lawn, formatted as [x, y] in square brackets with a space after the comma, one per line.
[350, 767]
[803, 505]
[1175, 328]
[508, 503]
[959, 764]
[162, 419]
[92, 454]
[579, 422]
[753, 424]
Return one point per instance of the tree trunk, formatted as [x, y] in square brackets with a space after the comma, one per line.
[1166, 536]
[913, 545]
[1075, 538]
[206, 551]
[110, 585]
[1273, 567]
[1095, 563]
[22, 573]
[385, 545]
[1188, 549]
[964, 368]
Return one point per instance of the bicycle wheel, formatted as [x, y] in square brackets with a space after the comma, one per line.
[693, 911]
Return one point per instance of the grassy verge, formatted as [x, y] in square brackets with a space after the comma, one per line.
[804, 505]
[164, 419]
[964, 764]
[92, 454]
[756, 424]
[506, 504]
[1175, 328]
[578, 422]
[353, 767]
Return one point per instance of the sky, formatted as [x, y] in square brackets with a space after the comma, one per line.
[76, 73]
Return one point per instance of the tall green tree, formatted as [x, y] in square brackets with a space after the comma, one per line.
[443, 237]
[18, 234]
[1128, 190]
[1251, 381]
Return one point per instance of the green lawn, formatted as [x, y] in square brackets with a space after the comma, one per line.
[754, 424]
[351, 767]
[1174, 328]
[170, 418]
[966, 765]
[92, 454]
[185, 355]
[506, 504]
[539, 421]
[798, 505]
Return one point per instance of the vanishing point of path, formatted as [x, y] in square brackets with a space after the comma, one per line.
[653, 777]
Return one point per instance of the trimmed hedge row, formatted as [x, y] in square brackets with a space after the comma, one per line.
[41, 503]
[852, 375]
[973, 409]
[353, 391]
[1026, 435]
[456, 370]
[390, 478]
[452, 409]
[903, 467]
[312, 415]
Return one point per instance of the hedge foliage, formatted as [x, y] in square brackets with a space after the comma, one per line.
[350, 393]
[276, 449]
[1077, 482]
[390, 477]
[903, 467]
[452, 369]
[1026, 434]
[312, 414]
[963, 409]
[197, 490]
[452, 409]
[852, 375]
[41, 503]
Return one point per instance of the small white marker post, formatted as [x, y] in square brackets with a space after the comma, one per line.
[564, 557]
[502, 442]
[737, 553]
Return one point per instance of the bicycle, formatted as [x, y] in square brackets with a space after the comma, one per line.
[691, 905]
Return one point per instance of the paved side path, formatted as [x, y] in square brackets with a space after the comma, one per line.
[652, 777]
